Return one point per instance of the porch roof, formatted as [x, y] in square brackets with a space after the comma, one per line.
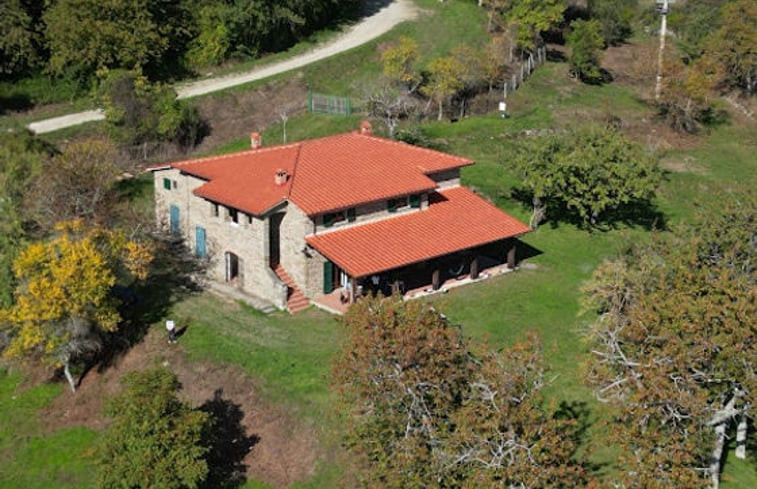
[456, 220]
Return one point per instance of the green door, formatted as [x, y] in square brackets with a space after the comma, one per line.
[328, 277]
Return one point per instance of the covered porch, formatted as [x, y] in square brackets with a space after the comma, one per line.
[426, 278]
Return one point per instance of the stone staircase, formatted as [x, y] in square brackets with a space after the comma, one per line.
[296, 300]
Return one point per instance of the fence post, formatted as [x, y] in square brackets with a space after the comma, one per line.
[310, 101]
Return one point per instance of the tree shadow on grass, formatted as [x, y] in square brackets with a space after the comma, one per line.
[637, 213]
[229, 444]
[14, 103]
[579, 413]
[174, 274]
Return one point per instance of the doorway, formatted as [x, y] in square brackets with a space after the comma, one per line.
[232, 268]
[274, 238]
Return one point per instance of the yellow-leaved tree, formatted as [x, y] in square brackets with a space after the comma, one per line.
[64, 300]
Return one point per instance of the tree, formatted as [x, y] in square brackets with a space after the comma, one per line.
[89, 35]
[155, 441]
[586, 44]
[532, 17]
[391, 104]
[674, 348]
[734, 44]
[615, 18]
[398, 63]
[427, 412]
[445, 79]
[64, 300]
[21, 157]
[137, 111]
[75, 184]
[18, 39]
[590, 171]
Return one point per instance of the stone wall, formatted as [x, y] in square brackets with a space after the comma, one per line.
[247, 238]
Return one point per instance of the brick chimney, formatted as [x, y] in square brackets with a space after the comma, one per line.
[280, 178]
[366, 128]
[255, 140]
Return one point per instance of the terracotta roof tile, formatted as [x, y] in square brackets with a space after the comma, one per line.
[326, 174]
[456, 219]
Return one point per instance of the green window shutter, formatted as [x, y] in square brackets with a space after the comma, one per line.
[328, 220]
[391, 205]
[415, 201]
[351, 215]
[167, 183]
[328, 277]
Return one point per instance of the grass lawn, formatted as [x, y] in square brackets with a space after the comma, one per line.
[29, 458]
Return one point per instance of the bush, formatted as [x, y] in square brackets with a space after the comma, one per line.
[138, 111]
[586, 43]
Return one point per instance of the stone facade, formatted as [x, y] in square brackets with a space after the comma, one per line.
[231, 233]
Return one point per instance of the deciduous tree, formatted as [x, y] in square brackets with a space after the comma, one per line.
[64, 300]
[734, 44]
[590, 171]
[87, 35]
[426, 412]
[155, 441]
[21, 157]
[674, 348]
[75, 184]
[18, 38]
[445, 79]
[398, 63]
[532, 17]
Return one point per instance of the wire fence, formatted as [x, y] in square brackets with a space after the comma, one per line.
[319, 103]
[527, 67]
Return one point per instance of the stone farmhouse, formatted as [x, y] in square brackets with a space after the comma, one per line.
[326, 220]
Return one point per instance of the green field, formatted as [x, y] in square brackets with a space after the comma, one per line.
[289, 356]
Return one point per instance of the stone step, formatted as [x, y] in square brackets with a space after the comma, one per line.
[296, 300]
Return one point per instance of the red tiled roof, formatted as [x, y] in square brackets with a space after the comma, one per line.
[245, 180]
[344, 170]
[326, 174]
[456, 219]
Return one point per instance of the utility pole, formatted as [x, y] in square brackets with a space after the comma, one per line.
[661, 54]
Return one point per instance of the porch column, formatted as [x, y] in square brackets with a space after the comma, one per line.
[436, 279]
[474, 267]
[353, 289]
[511, 254]
[395, 285]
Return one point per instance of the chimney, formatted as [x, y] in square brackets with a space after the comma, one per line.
[366, 128]
[280, 178]
[255, 140]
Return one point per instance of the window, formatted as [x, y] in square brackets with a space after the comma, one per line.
[167, 183]
[249, 218]
[233, 215]
[175, 184]
[393, 204]
[214, 209]
[331, 218]
[415, 201]
[351, 214]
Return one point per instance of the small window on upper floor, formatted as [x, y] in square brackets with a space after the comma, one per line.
[175, 184]
[351, 214]
[331, 218]
[233, 215]
[214, 212]
[415, 201]
[249, 218]
[167, 183]
[392, 205]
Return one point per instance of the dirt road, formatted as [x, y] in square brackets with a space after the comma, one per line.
[371, 27]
